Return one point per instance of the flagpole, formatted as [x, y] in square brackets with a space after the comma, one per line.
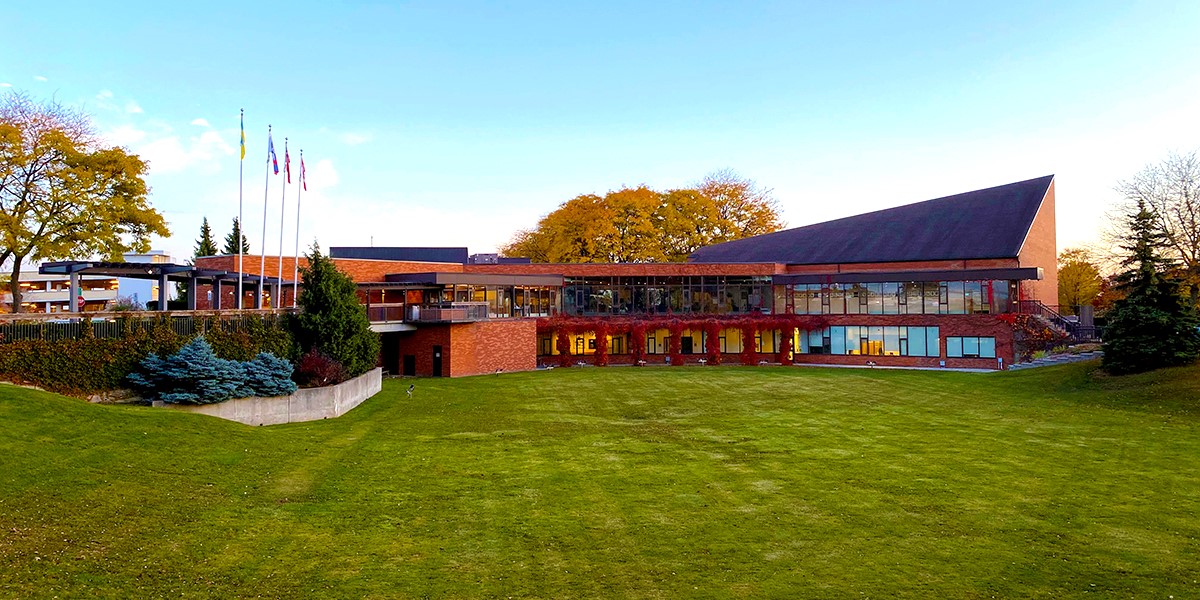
[262, 259]
[287, 165]
[238, 234]
[296, 257]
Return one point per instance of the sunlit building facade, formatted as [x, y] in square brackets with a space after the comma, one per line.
[921, 285]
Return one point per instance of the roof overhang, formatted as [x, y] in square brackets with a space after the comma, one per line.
[148, 271]
[1023, 273]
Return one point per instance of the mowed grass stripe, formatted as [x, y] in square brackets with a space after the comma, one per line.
[623, 482]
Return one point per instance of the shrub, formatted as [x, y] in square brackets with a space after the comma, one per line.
[268, 375]
[194, 375]
[243, 340]
[316, 369]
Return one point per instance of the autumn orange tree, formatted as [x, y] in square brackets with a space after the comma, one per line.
[63, 194]
[1079, 280]
[644, 225]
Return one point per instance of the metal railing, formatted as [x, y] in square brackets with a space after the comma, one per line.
[1077, 332]
[55, 326]
[449, 312]
[385, 313]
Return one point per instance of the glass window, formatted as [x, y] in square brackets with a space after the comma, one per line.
[814, 299]
[853, 340]
[856, 300]
[999, 300]
[837, 299]
[891, 341]
[971, 347]
[890, 293]
[916, 341]
[874, 340]
[875, 298]
[912, 299]
[837, 340]
[987, 347]
[931, 342]
[973, 297]
[932, 296]
[955, 304]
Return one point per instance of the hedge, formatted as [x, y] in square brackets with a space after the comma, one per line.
[87, 365]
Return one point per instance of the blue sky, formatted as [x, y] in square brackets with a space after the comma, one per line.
[439, 124]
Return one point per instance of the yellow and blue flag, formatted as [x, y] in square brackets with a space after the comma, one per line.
[243, 137]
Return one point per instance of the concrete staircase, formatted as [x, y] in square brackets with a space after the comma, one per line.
[1056, 359]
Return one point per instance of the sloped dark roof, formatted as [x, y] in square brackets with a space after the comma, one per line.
[406, 253]
[989, 223]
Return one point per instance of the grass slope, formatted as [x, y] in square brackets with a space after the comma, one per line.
[653, 483]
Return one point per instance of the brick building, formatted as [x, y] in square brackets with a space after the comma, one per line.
[925, 284]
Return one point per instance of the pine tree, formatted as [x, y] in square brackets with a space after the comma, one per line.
[1151, 327]
[331, 317]
[206, 245]
[231, 240]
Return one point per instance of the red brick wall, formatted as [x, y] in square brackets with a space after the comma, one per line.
[472, 348]
[420, 344]
[480, 348]
[1041, 250]
[360, 270]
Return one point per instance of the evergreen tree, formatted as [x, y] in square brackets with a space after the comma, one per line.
[331, 318]
[1151, 327]
[206, 245]
[231, 240]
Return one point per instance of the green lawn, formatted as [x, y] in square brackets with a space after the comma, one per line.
[724, 482]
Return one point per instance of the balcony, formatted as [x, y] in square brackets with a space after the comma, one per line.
[448, 312]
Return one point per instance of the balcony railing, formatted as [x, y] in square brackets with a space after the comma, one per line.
[449, 312]
[385, 313]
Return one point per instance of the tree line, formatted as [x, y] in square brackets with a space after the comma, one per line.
[1150, 300]
[640, 224]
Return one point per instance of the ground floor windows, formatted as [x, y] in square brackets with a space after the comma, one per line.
[873, 340]
[970, 347]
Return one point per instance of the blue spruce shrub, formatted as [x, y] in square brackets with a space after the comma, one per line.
[268, 375]
[194, 375]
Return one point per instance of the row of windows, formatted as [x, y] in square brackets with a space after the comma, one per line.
[971, 347]
[854, 340]
[872, 341]
[900, 298]
[713, 298]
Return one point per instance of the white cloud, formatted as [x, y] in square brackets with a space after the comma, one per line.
[3, 84]
[40, 78]
[201, 122]
[132, 108]
[124, 135]
[104, 95]
[322, 175]
[354, 139]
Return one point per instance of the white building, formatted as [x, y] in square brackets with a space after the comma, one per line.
[52, 293]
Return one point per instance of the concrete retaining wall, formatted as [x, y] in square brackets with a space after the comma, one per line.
[310, 404]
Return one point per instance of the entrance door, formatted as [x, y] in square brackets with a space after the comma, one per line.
[685, 345]
[410, 365]
[437, 361]
[391, 353]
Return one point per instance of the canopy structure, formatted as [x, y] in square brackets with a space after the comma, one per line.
[163, 273]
